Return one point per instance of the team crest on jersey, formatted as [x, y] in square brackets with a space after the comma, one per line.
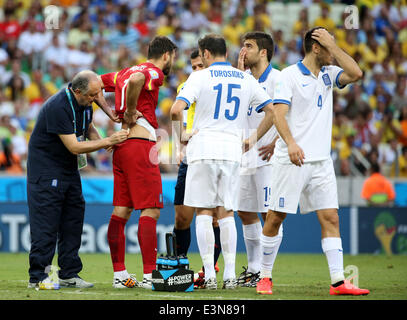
[281, 202]
[153, 74]
[326, 79]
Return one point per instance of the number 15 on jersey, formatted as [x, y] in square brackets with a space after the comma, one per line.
[230, 114]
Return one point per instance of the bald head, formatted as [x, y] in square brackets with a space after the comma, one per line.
[82, 79]
[86, 87]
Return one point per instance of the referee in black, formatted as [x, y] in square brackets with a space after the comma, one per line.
[62, 136]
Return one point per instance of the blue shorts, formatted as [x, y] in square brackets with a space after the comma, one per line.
[180, 186]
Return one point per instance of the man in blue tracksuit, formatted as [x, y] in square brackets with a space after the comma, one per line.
[57, 149]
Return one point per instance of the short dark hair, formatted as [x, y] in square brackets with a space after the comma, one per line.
[309, 41]
[160, 45]
[214, 43]
[375, 167]
[194, 54]
[263, 41]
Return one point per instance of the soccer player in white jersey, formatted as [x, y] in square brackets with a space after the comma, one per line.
[303, 171]
[254, 179]
[185, 214]
[222, 95]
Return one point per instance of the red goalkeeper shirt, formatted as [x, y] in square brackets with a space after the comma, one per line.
[117, 82]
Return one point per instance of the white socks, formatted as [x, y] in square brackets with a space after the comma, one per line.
[332, 247]
[228, 241]
[122, 275]
[251, 235]
[206, 243]
[269, 248]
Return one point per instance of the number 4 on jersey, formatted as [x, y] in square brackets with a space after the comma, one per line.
[320, 102]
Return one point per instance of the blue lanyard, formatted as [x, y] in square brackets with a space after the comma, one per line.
[73, 112]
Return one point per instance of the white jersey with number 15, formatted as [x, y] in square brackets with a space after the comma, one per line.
[223, 95]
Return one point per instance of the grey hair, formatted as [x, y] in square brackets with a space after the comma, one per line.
[81, 80]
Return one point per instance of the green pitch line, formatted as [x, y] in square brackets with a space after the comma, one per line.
[295, 277]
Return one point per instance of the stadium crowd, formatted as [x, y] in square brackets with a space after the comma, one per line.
[39, 55]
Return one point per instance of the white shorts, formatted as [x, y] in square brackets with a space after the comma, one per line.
[312, 186]
[212, 183]
[254, 189]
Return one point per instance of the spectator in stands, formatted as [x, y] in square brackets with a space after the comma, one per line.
[124, 35]
[386, 15]
[192, 20]
[403, 126]
[81, 32]
[302, 23]
[372, 53]
[244, 6]
[32, 41]
[15, 88]
[79, 58]
[293, 56]
[233, 30]
[259, 12]
[373, 155]
[142, 24]
[157, 8]
[399, 169]
[366, 26]
[391, 127]
[349, 44]
[38, 91]
[356, 99]
[383, 23]
[10, 28]
[215, 12]
[363, 127]
[377, 190]
[15, 72]
[167, 22]
[325, 21]
[14, 146]
[9, 160]
[399, 99]
[4, 59]
[389, 157]
[377, 79]
[56, 53]
[389, 75]
[55, 75]
[345, 151]
[111, 16]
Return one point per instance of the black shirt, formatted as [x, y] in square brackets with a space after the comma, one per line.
[47, 155]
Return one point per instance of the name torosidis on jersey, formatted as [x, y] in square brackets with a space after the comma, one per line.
[227, 74]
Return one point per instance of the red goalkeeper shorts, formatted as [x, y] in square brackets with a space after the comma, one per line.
[137, 178]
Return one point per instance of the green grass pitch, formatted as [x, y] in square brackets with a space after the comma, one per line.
[295, 277]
